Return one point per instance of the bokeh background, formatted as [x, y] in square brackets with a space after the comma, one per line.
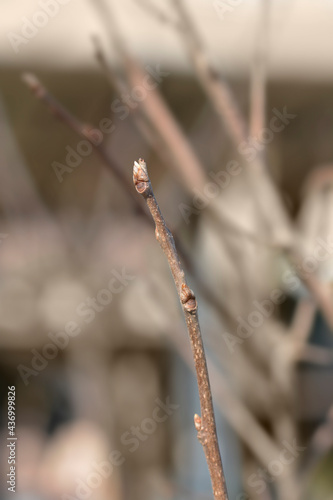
[230, 104]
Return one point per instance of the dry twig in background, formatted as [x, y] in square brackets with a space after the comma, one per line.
[148, 120]
[205, 425]
[86, 131]
[259, 76]
[271, 209]
[263, 452]
[216, 89]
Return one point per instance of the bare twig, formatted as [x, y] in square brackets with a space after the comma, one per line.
[300, 329]
[236, 413]
[173, 140]
[145, 128]
[319, 291]
[205, 425]
[258, 74]
[84, 131]
[224, 103]
[156, 110]
[149, 127]
[311, 282]
[266, 195]
[303, 320]
[216, 89]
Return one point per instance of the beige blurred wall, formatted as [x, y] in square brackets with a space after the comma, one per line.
[301, 32]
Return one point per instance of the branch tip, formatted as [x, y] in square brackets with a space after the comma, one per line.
[141, 178]
[197, 422]
[205, 427]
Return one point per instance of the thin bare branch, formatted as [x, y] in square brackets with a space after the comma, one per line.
[318, 290]
[238, 415]
[300, 329]
[303, 320]
[259, 73]
[312, 283]
[217, 90]
[156, 110]
[148, 123]
[224, 104]
[140, 120]
[84, 131]
[204, 424]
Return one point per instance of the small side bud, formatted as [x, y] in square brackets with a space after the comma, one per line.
[188, 299]
[140, 177]
[197, 422]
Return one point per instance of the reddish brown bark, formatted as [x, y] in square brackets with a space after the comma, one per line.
[205, 425]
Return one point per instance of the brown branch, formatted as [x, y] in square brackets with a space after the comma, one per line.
[270, 206]
[157, 111]
[158, 126]
[317, 289]
[217, 90]
[144, 127]
[84, 131]
[221, 97]
[237, 414]
[302, 321]
[149, 127]
[320, 294]
[171, 138]
[205, 425]
[259, 74]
